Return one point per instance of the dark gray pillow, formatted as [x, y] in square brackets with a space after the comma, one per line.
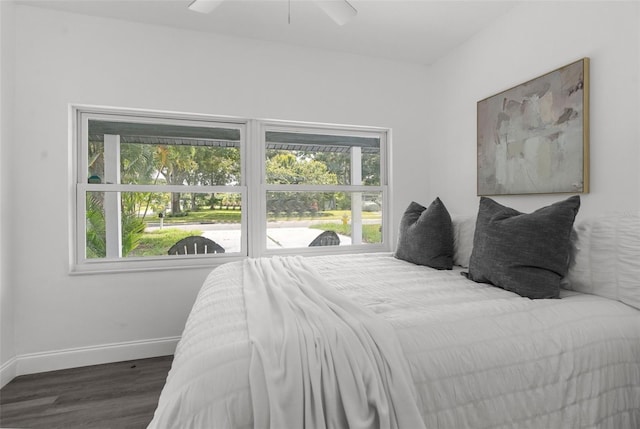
[426, 236]
[524, 253]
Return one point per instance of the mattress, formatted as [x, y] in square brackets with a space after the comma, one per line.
[479, 356]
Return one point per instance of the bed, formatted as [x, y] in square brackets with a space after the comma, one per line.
[477, 356]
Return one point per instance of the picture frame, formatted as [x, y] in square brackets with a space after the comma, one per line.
[534, 137]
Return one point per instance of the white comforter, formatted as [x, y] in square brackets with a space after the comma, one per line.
[317, 359]
[480, 357]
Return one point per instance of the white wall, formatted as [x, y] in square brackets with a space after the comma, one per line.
[637, 79]
[7, 346]
[64, 58]
[532, 39]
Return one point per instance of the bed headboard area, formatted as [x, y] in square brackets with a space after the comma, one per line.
[605, 258]
[604, 255]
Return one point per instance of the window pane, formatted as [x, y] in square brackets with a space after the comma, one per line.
[318, 159]
[296, 219]
[96, 243]
[371, 168]
[158, 154]
[150, 223]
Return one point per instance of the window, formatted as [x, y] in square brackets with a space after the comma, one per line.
[172, 190]
[322, 180]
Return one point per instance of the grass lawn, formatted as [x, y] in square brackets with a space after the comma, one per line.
[233, 215]
[370, 233]
[204, 216]
[158, 242]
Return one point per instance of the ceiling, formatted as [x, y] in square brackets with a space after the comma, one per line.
[417, 31]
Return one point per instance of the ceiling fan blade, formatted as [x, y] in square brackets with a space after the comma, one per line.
[204, 6]
[340, 11]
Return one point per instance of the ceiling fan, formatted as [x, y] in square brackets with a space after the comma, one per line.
[341, 11]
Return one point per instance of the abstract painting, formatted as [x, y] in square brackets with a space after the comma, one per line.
[534, 138]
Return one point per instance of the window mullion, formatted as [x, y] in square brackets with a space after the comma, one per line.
[256, 222]
[112, 202]
[323, 188]
[200, 189]
[356, 197]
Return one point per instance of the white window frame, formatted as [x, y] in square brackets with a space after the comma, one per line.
[253, 187]
[326, 129]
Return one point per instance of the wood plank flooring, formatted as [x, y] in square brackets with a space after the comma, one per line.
[121, 395]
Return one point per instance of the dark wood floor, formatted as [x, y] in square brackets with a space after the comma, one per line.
[120, 395]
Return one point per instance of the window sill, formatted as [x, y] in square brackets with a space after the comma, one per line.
[176, 262]
[179, 262]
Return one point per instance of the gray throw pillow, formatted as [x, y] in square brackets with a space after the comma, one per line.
[426, 236]
[523, 253]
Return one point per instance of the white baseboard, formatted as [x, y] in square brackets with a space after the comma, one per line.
[8, 371]
[84, 356]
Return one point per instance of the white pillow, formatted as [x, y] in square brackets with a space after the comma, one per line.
[606, 259]
[464, 227]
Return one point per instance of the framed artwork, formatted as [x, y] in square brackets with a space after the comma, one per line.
[534, 138]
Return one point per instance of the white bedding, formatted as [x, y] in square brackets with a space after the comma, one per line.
[317, 359]
[480, 357]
